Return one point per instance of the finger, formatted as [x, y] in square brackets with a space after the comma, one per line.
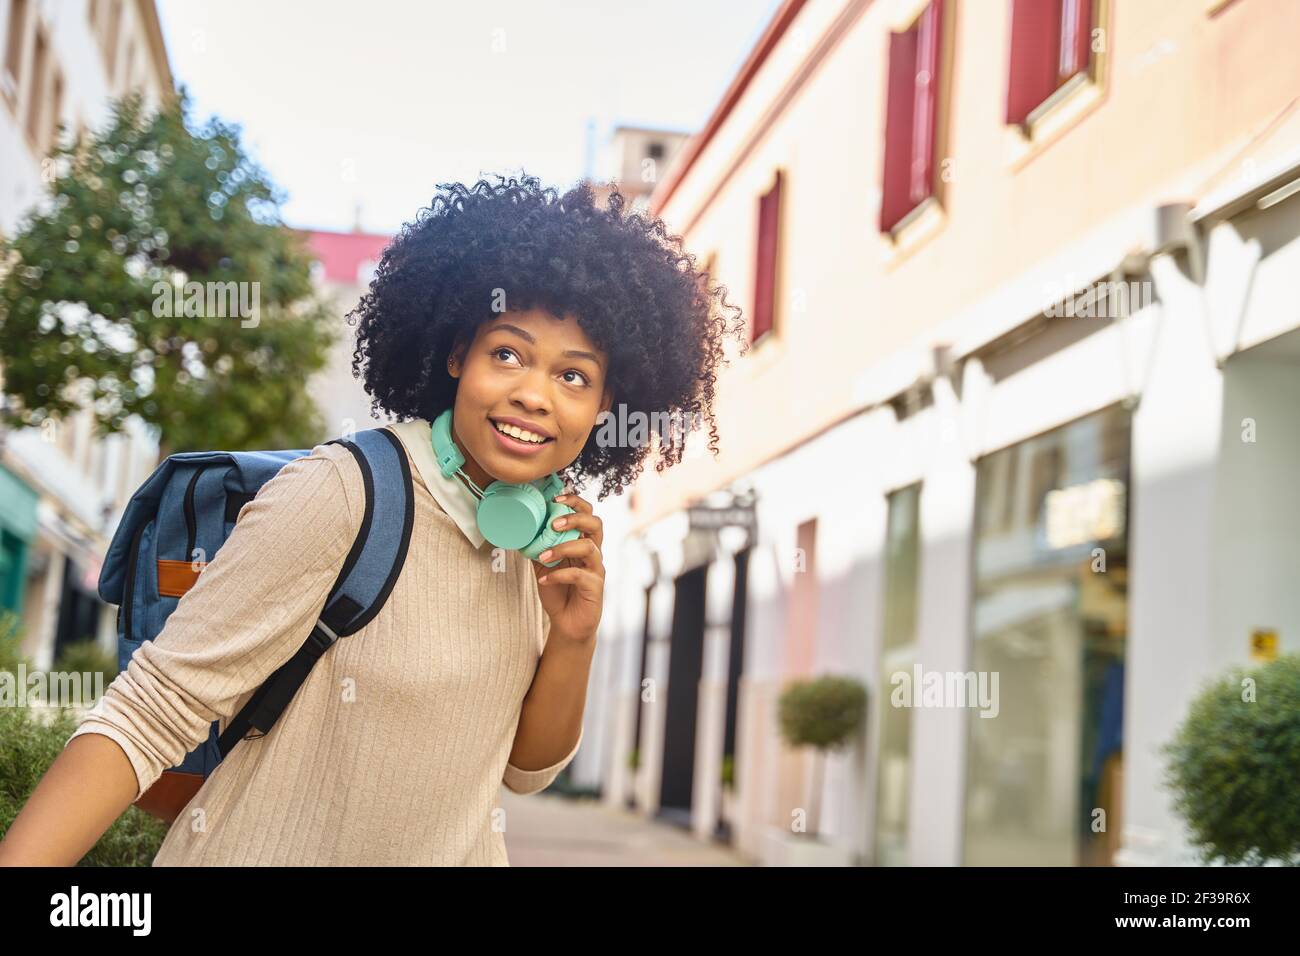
[588, 584]
[588, 524]
[583, 507]
[582, 551]
[576, 502]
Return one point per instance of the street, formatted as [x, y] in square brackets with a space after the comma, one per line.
[546, 830]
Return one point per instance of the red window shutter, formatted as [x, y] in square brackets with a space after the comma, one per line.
[1075, 38]
[924, 110]
[769, 212]
[900, 96]
[1035, 39]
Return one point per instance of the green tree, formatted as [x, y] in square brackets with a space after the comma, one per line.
[156, 278]
[1234, 766]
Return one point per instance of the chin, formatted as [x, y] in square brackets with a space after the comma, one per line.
[517, 473]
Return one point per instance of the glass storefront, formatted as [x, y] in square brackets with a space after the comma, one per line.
[898, 643]
[1050, 614]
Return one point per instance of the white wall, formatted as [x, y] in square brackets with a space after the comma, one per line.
[1256, 544]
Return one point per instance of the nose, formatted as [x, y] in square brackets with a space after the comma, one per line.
[532, 393]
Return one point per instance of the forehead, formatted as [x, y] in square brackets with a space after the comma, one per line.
[541, 327]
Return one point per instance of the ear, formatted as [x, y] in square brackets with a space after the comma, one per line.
[607, 400]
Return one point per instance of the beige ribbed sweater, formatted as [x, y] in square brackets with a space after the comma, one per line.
[394, 750]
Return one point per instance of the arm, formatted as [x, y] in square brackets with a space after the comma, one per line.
[63, 818]
[550, 722]
[572, 597]
[248, 612]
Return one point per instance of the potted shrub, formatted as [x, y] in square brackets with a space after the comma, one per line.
[824, 713]
[727, 815]
[1234, 766]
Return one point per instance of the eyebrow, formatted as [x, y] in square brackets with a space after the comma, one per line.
[527, 337]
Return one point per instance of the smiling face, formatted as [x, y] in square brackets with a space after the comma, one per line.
[538, 371]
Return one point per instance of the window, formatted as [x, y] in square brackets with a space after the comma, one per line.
[36, 102]
[110, 40]
[898, 655]
[1049, 617]
[1051, 44]
[766, 260]
[14, 47]
[911, 116]
[708, 274]
[129, 67]
[56, 106]
[655, 150]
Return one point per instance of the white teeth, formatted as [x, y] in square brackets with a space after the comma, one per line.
[515, 432]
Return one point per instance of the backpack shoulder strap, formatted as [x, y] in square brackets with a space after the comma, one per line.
[363, 585]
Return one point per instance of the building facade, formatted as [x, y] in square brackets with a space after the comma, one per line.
[63, 487]
[344, 263]
[1010, 438]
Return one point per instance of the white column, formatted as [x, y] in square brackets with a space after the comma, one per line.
[943, 636]
[1174, 452]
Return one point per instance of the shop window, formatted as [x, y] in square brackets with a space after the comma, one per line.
[1050, 618]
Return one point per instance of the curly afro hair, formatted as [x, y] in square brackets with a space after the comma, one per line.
[625, 280]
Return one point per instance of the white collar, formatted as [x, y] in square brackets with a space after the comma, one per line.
[453, 497]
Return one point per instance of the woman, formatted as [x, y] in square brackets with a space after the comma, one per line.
[525, 314]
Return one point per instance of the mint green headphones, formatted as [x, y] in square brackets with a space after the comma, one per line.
[517, 517]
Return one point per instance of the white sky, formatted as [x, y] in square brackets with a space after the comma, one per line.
[378, 102]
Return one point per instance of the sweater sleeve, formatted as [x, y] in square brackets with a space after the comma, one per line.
[531, 781]
[247, 613]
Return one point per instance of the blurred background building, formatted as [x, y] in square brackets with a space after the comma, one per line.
[1020, 281]
[62, 488]
[345, 263]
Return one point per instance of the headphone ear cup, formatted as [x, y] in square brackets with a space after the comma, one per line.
[548, 537]
[511, 516]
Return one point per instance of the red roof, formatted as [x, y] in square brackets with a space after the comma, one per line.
[343, 253]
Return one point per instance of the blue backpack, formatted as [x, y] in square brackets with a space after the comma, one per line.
[184, 512]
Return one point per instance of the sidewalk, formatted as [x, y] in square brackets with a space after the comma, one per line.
[544, 830]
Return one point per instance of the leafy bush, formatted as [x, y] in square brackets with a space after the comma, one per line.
[11, 635]
[87, 657]
[27, 748]
[824, 712]
[1235, 766]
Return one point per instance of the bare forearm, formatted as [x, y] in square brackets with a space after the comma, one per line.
[551, 718]
[90, 784]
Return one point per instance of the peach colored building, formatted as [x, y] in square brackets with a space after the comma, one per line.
[1022, 278]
